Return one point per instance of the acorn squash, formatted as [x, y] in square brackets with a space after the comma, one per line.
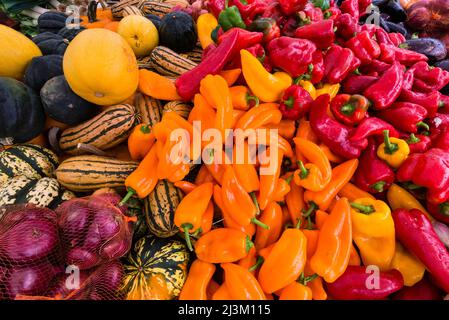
[63, 105]
[70, 33]
[177, 31]
[51, 43]
[155, 19]
[101, 67]
[21, 114]
[16, 51]
[140, 33]
[51, 21]
[42, 69]
[155, 269]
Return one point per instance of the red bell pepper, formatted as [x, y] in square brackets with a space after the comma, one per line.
[391, 53]
[373, 174]
[339, 62]
[405, 116]
[352, 284]
[409, 77]
[351, 7]
[364, 47]
[231, 43]
[216, 6]
[418, 143]
[350, 110]
[423, 290]
[290, 7]
[376, 67]
[439, 211]
[429, 170]
[291, 55]
[295, 103]
[356, 84]
[346, 26]
[267, 26]
[259, 52]
[313, 13]
[372, 126]
[397, 38]
[387, 89]
[382, 36]
[416, 233]
[430, 101]
[250, 10]
[441, 140]
[321, 33]
[317, 73]
[428, 79]
[331, 132]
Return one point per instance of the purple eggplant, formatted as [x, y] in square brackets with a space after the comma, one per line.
[434, 49]
[397, 27]
[394, 10]
[444, 64]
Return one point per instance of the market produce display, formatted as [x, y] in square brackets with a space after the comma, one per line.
[224, 150]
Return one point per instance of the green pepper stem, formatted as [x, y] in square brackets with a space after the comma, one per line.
[362, 208]
[250, 98]
[305, 280]
[306, 213]
[304, 172]
[424, 125]
[128, 196]
[289, 102]
[145, 129]
[444, 208]
[347, 109]
[378, 186]
[186, 227]
[390, 147]
[260, 224]
[413, 139]
[248, 244]
[256, 203]
[258, 263]
[289, 179]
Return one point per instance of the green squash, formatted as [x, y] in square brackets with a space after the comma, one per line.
[177, 31]
[42, 69]
[155, 269]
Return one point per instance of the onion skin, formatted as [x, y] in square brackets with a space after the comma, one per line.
[75, 219]
[82, 258]
[115, 249]
[429, 15]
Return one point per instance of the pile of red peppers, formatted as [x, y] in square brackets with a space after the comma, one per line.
[386, 93]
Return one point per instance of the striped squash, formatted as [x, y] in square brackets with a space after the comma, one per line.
[157, 8]
[149, 109]
[180, 107]
[196, 55]
[28, 160]
[160, 207]
[169, 63]
[155, 269]
[131, 11]
[104, 131]
[89, 173]
[45, 192]
[117, 8]
[145, 63]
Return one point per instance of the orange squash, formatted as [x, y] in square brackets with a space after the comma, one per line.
[96, 18]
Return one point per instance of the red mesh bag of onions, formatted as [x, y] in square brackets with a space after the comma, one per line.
[94, 230]
[30, 252]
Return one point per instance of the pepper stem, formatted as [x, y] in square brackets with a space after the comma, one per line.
[378, 186]
[424, 125]
[186, 227]
[390, 147]
[258, 263]
[128, 196]
[260, 223]
[256, 203]
[347, 109]
[248, 244]
[444, 208]
[145, 129]
[250, 98]
[308, 212]
[305, 280]
[362, 208]
[289, 102]
[289, 179]
[304, 172]
[413, 139]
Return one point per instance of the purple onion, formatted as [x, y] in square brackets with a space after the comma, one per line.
[82, 258]
[116, 248]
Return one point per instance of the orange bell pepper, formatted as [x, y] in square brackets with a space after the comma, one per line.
[140, 141]
[190, 211]
[286, 128]
[143, 180]
[316, 174]
[218, 168]
[169, 168]
[265, 252]
[244, 170]
[341, 175]
[354, 258]
[237, 202]
[272, 217]
[331, 257]
[320, 217]
[208, 219]
[330, 155]
[223, 245]
[296, 291]
[315, 283]
[202, 112]
[185, 186]
[273, 137]
[203, 176]
[268, 179]
[352, 192]
[222, 293]
[258, 116]
[215, 90]
[195, 287]
[241, 284]
[282, 189]
[157, 86]
[312, 241]
[242, 98]
[211, 289]
[231, 76]
[295, 203]
[305, 131]
[285, 262]
[250, 260]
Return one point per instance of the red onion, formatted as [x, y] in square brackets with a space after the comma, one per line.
[82, 258]
[74, 220]
[116, 248]
[109, 222]
[58, 285]
[20, 213]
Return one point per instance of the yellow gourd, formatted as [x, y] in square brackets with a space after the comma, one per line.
[140, 33]
[16, 51]
[101, 67]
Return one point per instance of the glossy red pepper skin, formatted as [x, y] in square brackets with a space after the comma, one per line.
[351, 7]
[339, 62]
[430, 101]
[252, 9]
[231, 43]
[356, 84]
[332, 133]
[259, 52]
[291, 55]
[295, 103]
[391, 53]
[267, 26]
[290, 7]
[404, 116]
[419, 144]
[364, 47]
[346, 26]
[423, 290]
[321, 33]
[317, 73]
[313, 13]
[382, 36]
[387, 89]
[441, 140]
[376, 68]
[429, 170]
[428, 79]
[416, 233]
[349, 110]
[397, 38]
[439, 211]
[373, 175]
[352, 285]
[216, 6]
[443, 103]
[372, 126]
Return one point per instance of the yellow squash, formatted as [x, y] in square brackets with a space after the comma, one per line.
[140, 33]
